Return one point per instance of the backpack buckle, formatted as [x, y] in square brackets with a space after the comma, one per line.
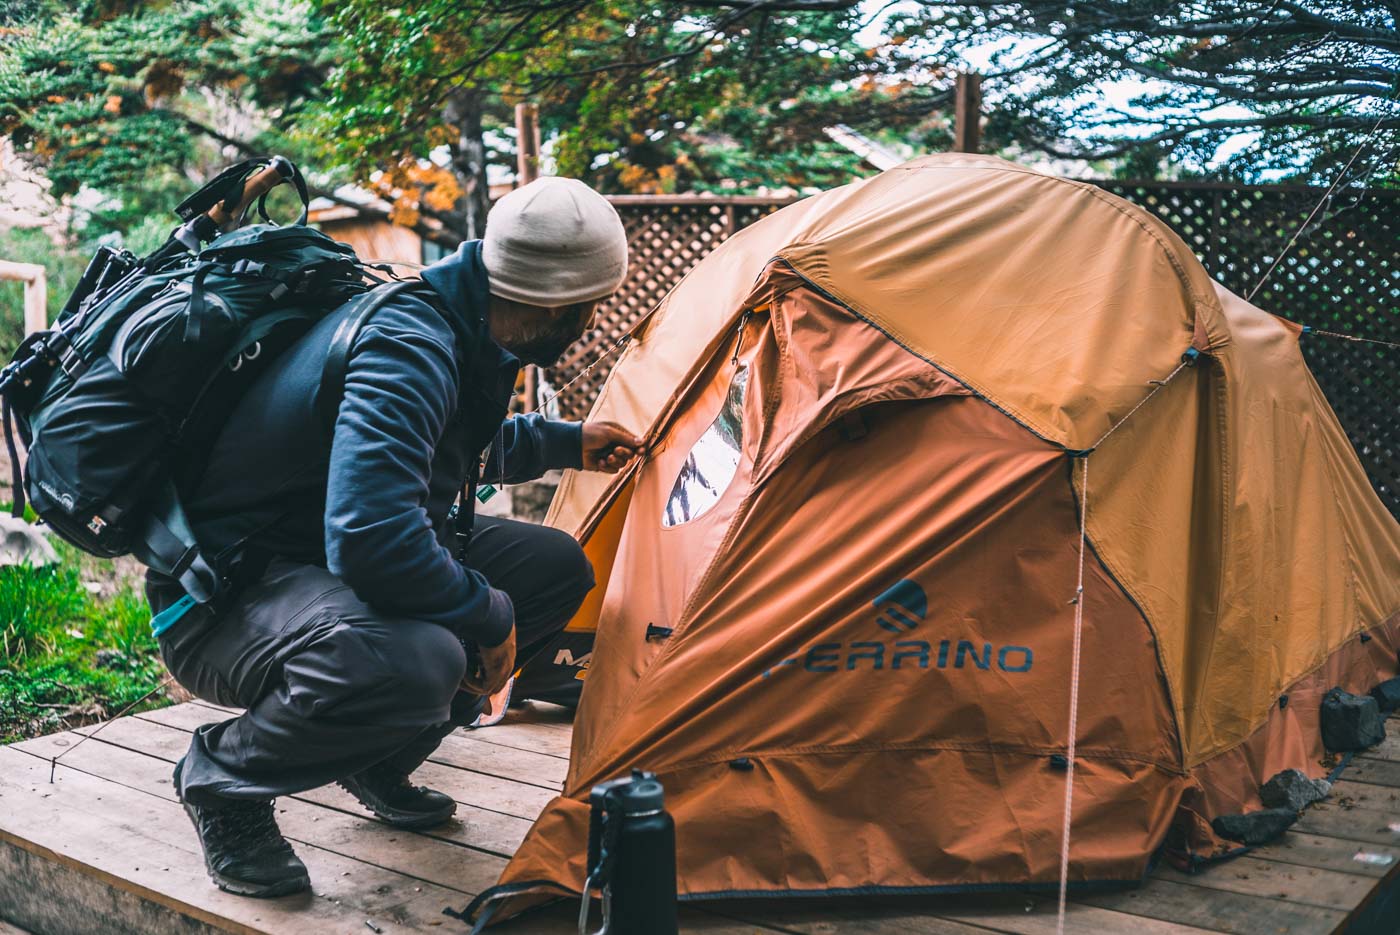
[248, 267]
[72, 362]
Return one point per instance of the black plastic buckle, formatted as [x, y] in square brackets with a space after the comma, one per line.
[72, 362]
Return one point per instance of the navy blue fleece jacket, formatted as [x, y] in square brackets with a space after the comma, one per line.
[426, 393]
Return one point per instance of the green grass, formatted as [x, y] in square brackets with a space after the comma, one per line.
[75, 645]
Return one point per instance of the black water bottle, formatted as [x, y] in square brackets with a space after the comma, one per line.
[632, 855]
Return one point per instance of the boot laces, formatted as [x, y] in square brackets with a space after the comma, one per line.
[248, 824]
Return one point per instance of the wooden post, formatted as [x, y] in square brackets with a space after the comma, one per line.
[36, 293]
[527, 169]
[967, 112]
[527, 132]
[531, 403]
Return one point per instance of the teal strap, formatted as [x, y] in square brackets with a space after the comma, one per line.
[171, 615]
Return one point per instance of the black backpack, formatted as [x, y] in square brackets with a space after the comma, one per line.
[121, 399]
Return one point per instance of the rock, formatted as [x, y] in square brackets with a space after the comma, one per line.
[1254, 828]
[23, 544]
[110, 659]
[1351, 722]
[1292, 789]
[531, 500]
[1387, 695]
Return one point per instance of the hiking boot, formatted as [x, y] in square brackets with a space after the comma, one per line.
[388, 793]
[244, 851]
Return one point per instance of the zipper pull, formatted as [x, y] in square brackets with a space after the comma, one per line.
[739, 338]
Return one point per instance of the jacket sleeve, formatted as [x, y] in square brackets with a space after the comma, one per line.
[400, 389]
[530, 445]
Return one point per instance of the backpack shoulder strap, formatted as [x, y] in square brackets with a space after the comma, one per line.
[332, 388]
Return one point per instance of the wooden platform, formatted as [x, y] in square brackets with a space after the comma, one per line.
[106, 849]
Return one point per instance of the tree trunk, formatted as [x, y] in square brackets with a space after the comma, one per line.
[463, 113]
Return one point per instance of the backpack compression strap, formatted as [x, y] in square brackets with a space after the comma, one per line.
[166, 544]
[332, 388]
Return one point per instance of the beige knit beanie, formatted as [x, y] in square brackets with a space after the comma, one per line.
[554, 242]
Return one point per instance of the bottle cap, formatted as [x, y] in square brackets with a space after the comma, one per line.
[643, 794]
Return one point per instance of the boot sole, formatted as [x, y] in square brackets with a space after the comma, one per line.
[408, 821]
[243, 887]
[256, 890]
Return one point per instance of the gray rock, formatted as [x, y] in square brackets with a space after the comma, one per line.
[530, 501]
[23, 544]
[1387, 695]
[1292, 789]
[110, 659]
[1255, 828]
[1351, 722]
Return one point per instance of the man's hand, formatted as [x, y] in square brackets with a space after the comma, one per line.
[497, 664]
[608, 446]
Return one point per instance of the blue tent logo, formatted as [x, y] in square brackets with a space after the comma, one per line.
[903, 607]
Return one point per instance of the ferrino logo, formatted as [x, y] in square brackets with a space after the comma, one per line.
[900, 611]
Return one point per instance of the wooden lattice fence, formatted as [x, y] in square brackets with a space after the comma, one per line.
[1343, 275]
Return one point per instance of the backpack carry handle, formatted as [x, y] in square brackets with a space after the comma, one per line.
[256, 188]
[220, 204]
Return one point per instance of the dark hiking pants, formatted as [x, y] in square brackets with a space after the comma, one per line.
[330, 686]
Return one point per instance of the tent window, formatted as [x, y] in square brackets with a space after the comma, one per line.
[713, 462]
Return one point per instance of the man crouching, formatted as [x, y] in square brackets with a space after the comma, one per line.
[359, 593]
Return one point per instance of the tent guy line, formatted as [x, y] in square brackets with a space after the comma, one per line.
[1326, 196]
[1308, 329]
[53, 760]
[1188, 359]
[603, 355]
[1074, 698]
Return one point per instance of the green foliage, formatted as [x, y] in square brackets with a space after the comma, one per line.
[123, 622]
[1305, 83]
[135, 100]
[37, 606]
[63, 267]
[75, 645]
[648, 97]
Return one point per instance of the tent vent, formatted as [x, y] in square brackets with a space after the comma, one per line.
[658, 633]
[1059, 761]
[1282, 702]
[743, 764]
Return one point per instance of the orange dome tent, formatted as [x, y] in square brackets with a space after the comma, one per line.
[836, 606]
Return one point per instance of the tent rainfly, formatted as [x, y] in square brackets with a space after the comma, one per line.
[837, 601]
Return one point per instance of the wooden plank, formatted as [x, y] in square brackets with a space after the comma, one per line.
[1006, 913]
[562, 917]
[143, 844]
[186, 717]
[466, 751]
[542, 714]
[472, 826]
[1217, 910]
[480, 823]
[802, 917]
[88, 906]
[463, 749]
[170, 743]
[1389, 748]
[1377, 772]
[1331, 853]
[527, 737]
[517, 734]
[1309, 886]
[355, 836]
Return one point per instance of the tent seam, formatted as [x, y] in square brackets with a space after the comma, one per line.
[1147, 622]
[1104, 754]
